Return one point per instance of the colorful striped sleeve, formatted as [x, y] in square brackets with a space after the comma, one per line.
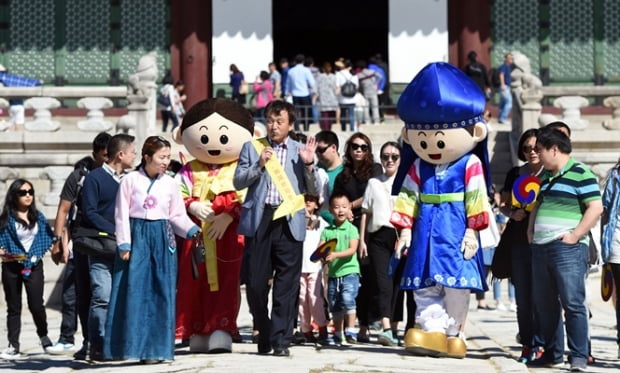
[406, 205]
[476, 199]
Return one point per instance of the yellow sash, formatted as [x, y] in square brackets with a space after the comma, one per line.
[208, 183]
[291, 202]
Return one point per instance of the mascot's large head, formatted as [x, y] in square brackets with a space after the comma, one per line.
[442, 109]
[214, 130]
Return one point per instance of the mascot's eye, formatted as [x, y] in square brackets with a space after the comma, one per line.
[423, 144]
[441, 144]
[224, 139]
[204, 139]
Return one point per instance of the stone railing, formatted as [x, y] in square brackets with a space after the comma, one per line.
[45, 149]
[596, 140]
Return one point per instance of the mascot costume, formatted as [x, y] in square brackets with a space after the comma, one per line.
[442, 204]
[213, 132]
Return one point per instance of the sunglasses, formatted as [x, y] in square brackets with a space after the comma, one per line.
[355, 146]
[24, 192]
[154, 139]
[528, 149]
[322, 150]
[390, 157]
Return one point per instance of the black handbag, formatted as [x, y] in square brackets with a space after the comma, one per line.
[90, 241]
[501, 266]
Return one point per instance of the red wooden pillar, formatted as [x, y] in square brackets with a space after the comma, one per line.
[469, 29]
[190, 50]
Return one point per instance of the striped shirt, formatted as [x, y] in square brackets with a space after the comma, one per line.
[563, 205]
[273, 195]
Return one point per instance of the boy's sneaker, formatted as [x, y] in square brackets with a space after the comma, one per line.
[350, 337]
[526, 352]
[536, 353]
[387, 339]
[342, 342]
[61, 349]
[10, 353]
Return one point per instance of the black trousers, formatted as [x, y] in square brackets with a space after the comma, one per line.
[380, 250]
[273, 251]
[12, 282]
[75, 298]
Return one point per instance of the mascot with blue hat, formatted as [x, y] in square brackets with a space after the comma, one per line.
[442, 204]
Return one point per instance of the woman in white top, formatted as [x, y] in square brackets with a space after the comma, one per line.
[377, 207]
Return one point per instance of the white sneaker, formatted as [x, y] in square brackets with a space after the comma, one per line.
[513, 307]
[500, 306]
[61, 349]
[10, 353]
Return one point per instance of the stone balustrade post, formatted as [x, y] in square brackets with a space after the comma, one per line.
[531, 108]
[42, 116]
[57, 176]
[139, 113]
[614, 122]
[4, 104]
[6, 174]
[571, 113]
[94, 117]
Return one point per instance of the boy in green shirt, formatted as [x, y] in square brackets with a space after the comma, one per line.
[344, 269]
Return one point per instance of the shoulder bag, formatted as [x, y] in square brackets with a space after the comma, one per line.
[90, 241]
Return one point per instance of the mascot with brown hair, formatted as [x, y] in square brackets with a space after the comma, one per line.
[442, 204]
[213, 132]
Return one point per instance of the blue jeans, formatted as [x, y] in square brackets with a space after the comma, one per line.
[101, 285]
[559, 271]
[348, 111]
[342, 292]
[505, 104]
[521, 256]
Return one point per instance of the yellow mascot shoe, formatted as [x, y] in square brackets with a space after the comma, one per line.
[419, 342]
[456, 347]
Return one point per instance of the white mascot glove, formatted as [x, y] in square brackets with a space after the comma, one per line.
[404, 240]
[201, 210]
[469, 246]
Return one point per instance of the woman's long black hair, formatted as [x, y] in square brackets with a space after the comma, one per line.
[10, 206]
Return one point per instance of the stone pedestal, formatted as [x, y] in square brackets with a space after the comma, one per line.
[571, 113]
[57, 176]
[6, 173]
[42, 116]
[614, 103]
[4, 104]
[94, 118]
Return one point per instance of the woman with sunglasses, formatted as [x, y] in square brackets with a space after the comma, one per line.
[141, 318]
[378, 236]
[25, 237]
[359, 167]
[521, 252]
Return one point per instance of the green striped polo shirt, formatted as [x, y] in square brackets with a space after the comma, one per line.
[563, 205]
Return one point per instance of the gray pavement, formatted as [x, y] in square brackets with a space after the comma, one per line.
[490, 336]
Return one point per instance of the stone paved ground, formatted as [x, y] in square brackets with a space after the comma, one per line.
[491, 339]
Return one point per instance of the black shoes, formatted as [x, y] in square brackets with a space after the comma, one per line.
[281, 351]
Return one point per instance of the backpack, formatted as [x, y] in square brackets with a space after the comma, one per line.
[163, 100]
[496, 82]
[348, 89]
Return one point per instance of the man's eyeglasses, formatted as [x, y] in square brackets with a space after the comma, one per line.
[322, 150]
[24, 192]
[355, 146]
[390, 157]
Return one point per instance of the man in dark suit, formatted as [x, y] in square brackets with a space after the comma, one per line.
[275, 244]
